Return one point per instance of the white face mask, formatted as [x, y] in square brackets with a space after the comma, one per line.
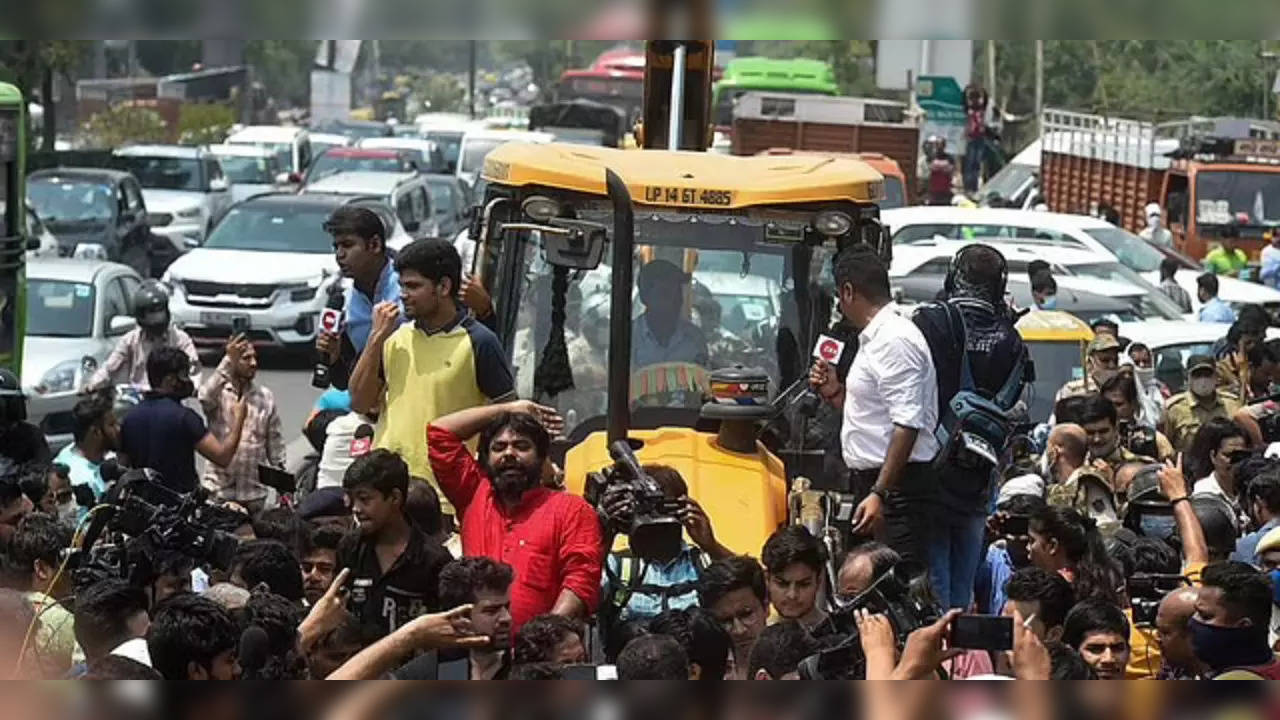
[69, 512]
[1203, 387]
[1144, 376]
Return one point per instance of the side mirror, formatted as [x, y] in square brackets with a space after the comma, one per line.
[121, 324]
[219, 185]
[577, 244]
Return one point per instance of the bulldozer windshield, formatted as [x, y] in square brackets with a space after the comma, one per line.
[708, 293]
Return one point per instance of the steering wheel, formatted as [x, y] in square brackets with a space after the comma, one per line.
[665, 379]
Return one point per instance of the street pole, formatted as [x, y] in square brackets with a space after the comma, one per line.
[1040, 86]
[471, 78]
[991, 68]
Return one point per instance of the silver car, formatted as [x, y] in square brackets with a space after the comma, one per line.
[76, 311]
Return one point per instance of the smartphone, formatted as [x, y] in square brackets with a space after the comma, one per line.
[982, 632]
[239, 325]
[1015, 525]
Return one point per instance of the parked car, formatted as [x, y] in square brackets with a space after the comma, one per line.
[1099, 272]
[405, 192]
[76, 311]
[910, 225]
[92, 210]
[186, 183]
[1072, 298]
[430, 156]
[450, 204]
[350, 159]
[268, 264]
[477, 144]
[292, 146]
[251, 170]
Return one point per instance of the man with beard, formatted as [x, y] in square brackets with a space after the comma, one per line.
[551, 539]
[484, 586]
[97, 435]
[442, 362]
[394, 567]
[161, 434]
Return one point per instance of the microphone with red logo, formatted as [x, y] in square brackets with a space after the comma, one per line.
[362, 441]
[330, 322]
[828, 349]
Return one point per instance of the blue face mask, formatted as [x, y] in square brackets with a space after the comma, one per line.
[1050, 303]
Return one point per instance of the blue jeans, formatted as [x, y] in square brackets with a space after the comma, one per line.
[955, 550]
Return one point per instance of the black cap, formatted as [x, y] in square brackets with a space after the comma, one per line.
[324, 502]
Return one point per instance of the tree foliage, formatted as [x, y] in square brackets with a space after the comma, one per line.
[125, 124]
[204, 123]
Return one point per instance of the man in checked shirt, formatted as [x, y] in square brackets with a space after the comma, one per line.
[261, 441]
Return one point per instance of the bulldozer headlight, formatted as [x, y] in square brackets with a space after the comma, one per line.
[832, 223]
[540, 208]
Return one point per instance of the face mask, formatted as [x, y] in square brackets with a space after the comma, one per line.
[1102, 376]
[68, 512]
[1203, 387]
[1050, 303]
[1224, 647]
[1144, 376]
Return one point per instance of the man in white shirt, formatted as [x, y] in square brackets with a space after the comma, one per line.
[890, 406]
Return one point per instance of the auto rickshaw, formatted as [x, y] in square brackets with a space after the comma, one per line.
[1058, 342]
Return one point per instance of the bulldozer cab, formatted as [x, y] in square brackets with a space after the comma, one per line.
[619, 298]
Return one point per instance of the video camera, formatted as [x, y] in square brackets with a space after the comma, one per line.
[143, 520]
[1147, 590]
[902, 594]
[1139, 439]
[653, 525]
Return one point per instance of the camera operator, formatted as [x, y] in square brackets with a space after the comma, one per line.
[861, 566]
[193, 638]
[161, 434]
[111, 619]
[1138, 435]
[733, 590]
[1007, 550]
[1261, 500]
[641, 588]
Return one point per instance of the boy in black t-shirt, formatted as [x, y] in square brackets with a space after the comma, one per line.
[395, 568]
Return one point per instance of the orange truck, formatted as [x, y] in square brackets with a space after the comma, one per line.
[1204, 173]
[865, 127]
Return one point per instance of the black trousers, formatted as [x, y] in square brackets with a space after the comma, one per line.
[908, 510]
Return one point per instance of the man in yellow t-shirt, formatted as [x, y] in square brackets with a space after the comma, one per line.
[441, 362]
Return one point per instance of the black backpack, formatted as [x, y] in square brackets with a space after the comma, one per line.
[973, 430]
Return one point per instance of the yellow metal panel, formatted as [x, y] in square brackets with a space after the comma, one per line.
[743, 494]
[687, 179]
[1052, 326]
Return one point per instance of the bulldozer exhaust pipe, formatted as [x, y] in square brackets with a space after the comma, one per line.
[676, 118]
[619, 412]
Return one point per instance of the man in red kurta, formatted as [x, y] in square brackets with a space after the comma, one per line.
[551, 538]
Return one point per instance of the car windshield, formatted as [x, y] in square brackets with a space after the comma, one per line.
[334, 163]
[1056, 363]
[1222, 195]
[474, 152]
[734, 307]
[64, 200]
[274, 227]
[59, 309]
[1132, 251]
[1153, 305]
[450, 142]
[1006, 183]
[250, 170]
[163, 173]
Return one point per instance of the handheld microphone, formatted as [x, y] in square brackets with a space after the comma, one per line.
[254, 650]
[829, 349]
[362, 441]
[330, 322]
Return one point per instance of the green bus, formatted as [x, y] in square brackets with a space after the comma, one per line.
[745, 74]
[13, 243]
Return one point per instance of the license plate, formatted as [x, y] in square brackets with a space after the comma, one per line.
[696, 197]
[223, 319]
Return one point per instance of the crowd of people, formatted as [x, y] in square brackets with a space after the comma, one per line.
[1135, 533]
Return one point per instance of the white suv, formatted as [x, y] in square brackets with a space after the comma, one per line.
[184, 184]
[266, 268]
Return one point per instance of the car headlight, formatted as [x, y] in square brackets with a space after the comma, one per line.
[63, 377]
[302, 294]
[190, 213]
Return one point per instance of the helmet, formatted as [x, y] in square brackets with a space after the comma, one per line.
[13, 404]
[151, 306]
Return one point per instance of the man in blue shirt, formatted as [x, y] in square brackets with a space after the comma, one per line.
[1262, 502]
[635, 588]
[97, 435]
[1212, 309]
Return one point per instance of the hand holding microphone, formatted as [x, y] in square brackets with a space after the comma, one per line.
[328, 340]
